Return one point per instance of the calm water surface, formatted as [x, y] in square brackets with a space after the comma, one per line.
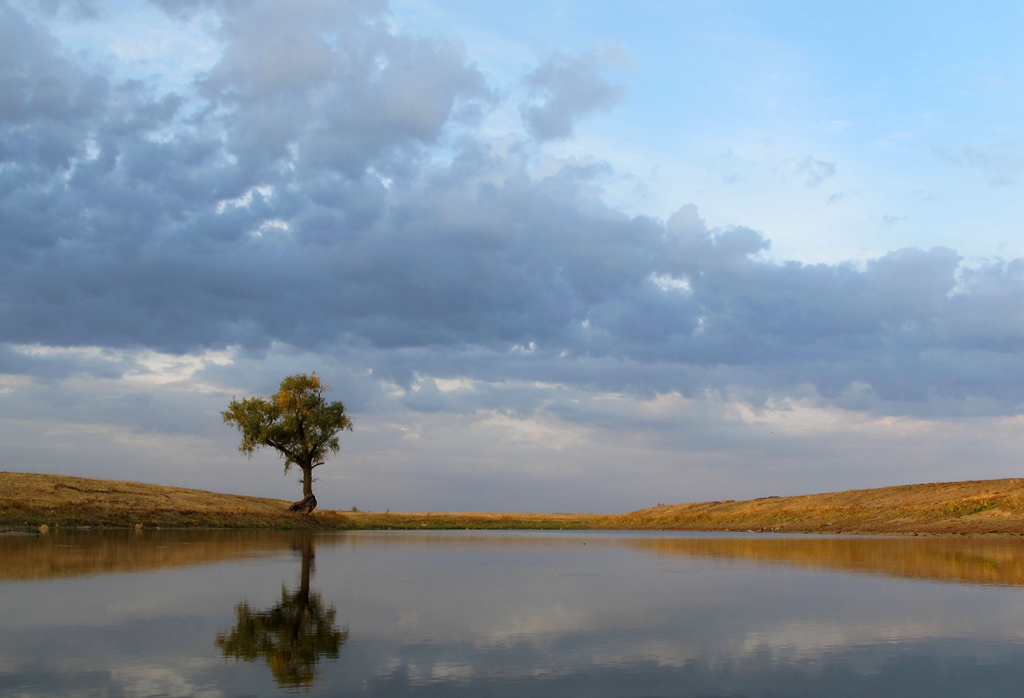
[166, 613]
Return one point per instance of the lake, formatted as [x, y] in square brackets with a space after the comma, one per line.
[508, 613]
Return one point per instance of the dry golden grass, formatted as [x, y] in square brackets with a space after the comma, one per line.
[29, 500]
[951, 508]
[475, 520]
[958, 508]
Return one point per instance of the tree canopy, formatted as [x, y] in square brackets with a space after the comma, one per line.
[296, 421]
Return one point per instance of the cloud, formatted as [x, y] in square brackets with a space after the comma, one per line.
[315, 200]
[564, 89]
[296, 200]
[816, 171]
[76, 9]
[329, 85]
[1002, 161]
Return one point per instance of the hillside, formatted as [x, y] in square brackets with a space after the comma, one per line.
[980, 507]
[945, 508]
[29, 500]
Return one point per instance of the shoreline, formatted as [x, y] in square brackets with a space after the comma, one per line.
[979, 508]
[31, 531]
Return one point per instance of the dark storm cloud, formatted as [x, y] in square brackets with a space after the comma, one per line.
[299, 196]
[46, 102]
[568, 88]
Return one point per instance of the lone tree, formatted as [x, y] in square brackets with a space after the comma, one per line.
[296, 421]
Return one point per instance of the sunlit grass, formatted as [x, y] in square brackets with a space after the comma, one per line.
[976, 507]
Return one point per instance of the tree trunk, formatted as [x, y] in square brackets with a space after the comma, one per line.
[307, 504]
[307, 481]
[304, 506]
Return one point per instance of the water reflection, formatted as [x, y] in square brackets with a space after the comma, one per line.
[292, 635]
[503, 614]
[974, 561]
[990, 561]
[995, 561]
[76, 552]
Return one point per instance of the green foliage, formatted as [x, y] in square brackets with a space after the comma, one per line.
[296, 421]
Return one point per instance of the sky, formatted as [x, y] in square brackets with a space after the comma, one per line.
[552, 256]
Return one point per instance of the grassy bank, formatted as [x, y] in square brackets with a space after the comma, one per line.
[977, 507]
[981, 507]
[29, 500]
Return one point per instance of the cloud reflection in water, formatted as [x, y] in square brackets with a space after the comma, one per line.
[512, 614]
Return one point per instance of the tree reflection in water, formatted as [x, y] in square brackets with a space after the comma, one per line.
[293, 635]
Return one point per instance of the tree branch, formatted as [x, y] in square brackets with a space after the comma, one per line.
[282, 449]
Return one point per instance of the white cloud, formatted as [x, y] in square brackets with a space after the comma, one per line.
[158, 368]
